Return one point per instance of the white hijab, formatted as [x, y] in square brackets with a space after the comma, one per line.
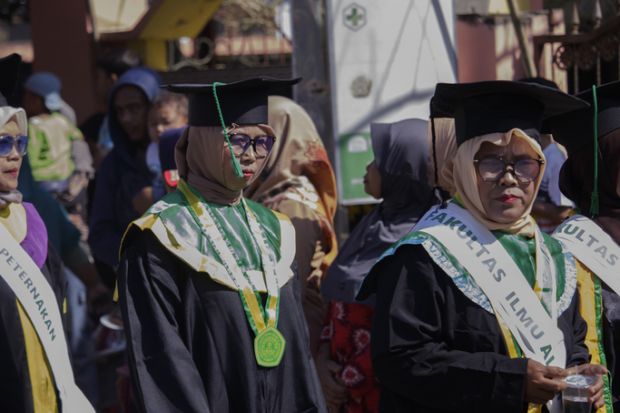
[8, 112]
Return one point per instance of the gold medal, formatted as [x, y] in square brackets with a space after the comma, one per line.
[269, 347]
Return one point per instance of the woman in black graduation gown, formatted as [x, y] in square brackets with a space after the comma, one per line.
[206, 285]
[27, 374]
[575, 131]
[26, 383]
[436, 341]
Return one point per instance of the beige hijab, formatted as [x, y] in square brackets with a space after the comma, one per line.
[445, 150]
[465, 181]
[200, 156]
[298, 151]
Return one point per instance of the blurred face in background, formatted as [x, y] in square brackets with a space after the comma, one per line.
[131, 109]
[165, 116]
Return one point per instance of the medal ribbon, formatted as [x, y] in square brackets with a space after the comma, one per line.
[259, 319]
[545, 276]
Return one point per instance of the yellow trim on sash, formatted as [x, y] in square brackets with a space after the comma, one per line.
[514, 353]
[587, 309]
[14, 219]
[41, 381]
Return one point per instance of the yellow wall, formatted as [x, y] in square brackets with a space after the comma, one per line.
[175, 18]
[169, 21]
[149, 30]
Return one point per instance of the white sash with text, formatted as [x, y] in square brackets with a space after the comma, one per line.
[39, 302]
[583, 238]
[501, 280]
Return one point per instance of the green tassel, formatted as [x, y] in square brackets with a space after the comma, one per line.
[594, 200]
[235, 161]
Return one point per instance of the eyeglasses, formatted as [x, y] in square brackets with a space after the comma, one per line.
[261, 144]
[8, 142]
[491, 169]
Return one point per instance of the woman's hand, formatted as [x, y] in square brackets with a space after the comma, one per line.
[333, 389]
[595, 392]
[543, 382]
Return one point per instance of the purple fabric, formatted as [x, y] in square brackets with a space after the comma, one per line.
[35, 243]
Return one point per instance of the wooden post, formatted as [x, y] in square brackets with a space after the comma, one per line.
[62, 45]
[310, 62]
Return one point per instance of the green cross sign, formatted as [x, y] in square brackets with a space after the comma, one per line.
[355, 16]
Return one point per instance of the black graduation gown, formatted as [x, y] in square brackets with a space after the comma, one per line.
[611, 340]
[434, 350]
[15, 383]
[191, 347]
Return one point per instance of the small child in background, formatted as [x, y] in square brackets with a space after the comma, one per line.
[169, 111]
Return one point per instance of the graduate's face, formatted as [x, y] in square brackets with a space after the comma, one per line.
[372, 180]
[506, 199]
[251, 162]
[10, 164]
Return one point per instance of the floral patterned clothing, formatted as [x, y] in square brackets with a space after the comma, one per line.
[348, 332]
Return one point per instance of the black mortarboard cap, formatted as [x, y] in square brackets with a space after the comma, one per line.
[497, 106]
[608, 101]
[540, 81]
[243, 102]
[576, 129]
[545, 128]
[9, 72]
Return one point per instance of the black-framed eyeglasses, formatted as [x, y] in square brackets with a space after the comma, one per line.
[8, 142]
[261, 144]
[492, 168]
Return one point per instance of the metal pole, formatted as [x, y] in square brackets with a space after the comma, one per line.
[576, 78]
[525, 57]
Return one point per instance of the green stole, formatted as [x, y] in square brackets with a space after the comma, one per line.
[171, 221]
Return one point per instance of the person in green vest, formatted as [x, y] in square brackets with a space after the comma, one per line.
[207, 283]
[59, 157]
[476, 308]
